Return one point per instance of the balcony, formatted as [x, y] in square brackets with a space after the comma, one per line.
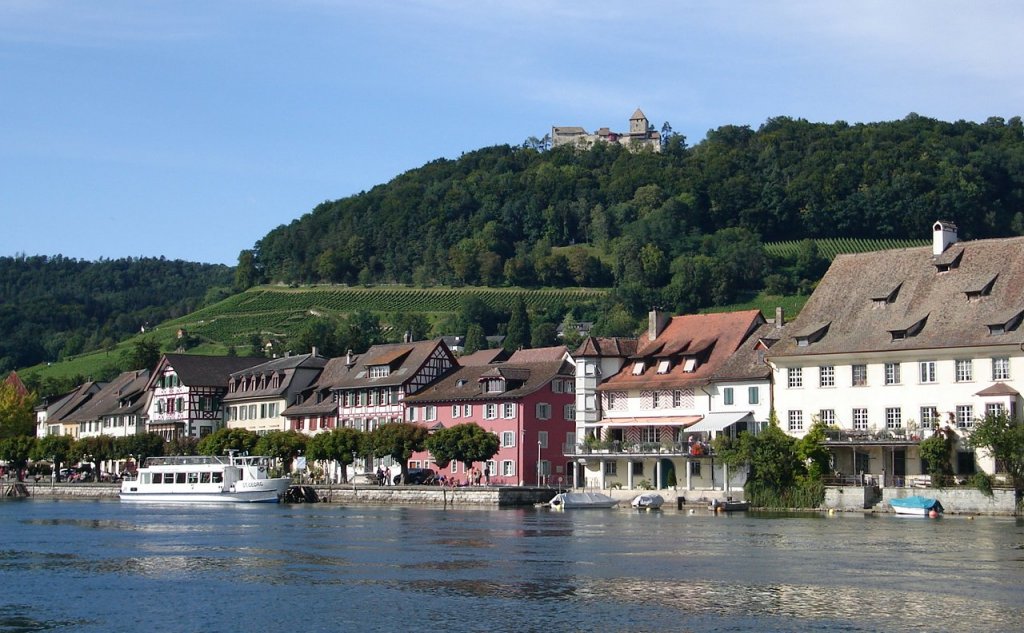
[846, 437]
[615, 448]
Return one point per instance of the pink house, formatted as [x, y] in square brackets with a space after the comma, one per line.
[527, 401]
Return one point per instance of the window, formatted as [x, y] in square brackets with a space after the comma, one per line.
[543, 411]
[649, 434]
[795, 377]
[860, 375]
[590, 402]
[827, 416]
[796, 421]
[569, 412]
[927, 371]
[456, 410]
[664, 366]
[379, 371]
[638, 368]
[556, 386]
[892, 373]
[410, 414]
[508, 468]
[490, 411]
[964, 371]
[826, 376]
[727, 395]
[467, 410]
[655, 399]
[508, 410]
[430, 413]
[995, 408]
[589, 369]
[1001, 368]
[753, 395]
[690, 365]
[677, 399]
[860, 419]
[494, 385]
[964, 416]
[570, 386]
[508, 439]
[611, 469]
[611, 400]
[542, 438]
[695, 469]
[929, 417]
[455, 467]
[893, 418]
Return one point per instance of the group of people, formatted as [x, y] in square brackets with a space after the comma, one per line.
[383, 476]
[698, 446]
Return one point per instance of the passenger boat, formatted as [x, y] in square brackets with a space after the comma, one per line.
[204, 479]
[647, 501]
[574, 500]
[916, 506]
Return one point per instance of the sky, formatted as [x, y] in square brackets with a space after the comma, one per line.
[190, 129]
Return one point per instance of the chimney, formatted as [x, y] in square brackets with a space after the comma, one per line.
[348, 358]
[778, 317]
[407, 337]
[314, 352]
[656, 322]
[943, 234]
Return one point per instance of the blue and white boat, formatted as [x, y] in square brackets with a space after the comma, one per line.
[916, 505]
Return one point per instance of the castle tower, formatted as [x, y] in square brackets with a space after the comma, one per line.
[638, 124]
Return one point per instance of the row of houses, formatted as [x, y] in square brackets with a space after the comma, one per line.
[892, 347]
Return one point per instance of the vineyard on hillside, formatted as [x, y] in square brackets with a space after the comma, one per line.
[281, 311]
[831, 247]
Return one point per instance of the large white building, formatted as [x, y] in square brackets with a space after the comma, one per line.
[894, 345]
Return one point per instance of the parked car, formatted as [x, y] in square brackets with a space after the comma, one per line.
[417, 477]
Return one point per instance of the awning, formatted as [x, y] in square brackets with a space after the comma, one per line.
[718, 421]
[685, 420]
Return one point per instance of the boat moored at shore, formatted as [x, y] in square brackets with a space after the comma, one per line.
[204, 479]
[575, 500]
[916, 506]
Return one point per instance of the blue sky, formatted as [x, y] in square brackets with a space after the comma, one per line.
[189, 129]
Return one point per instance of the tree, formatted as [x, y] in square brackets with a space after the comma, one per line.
[1002, 438]
[141, 446]
[517, 336]
[143, 354]
[53, 447]
[247, 273]
[571, 336]
[544, 335]
[467, 443]
[935, 453]
[475, 339]
[398, 440]
[183, 445]
[282, 445]
[16, 450]
[17, 415]
[96, 449]
[338, 445]
[223, 440]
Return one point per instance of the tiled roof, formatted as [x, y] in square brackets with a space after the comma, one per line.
[69, 403]
[998, 389]
[748, 363]
[484, 357]
[710, 339]
[196, 370]
[935, 306]
[288, 371]
[464, 384]
[539, 354]
[607, 347]
[130, 385]
[412, 356]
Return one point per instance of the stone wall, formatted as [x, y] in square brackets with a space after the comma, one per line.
[953, 500]
[74, 491]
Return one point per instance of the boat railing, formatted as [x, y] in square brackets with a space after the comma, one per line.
[185, 460]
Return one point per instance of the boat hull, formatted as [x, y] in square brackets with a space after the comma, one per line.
[582, 500]
[915, 506]
[268, 493]
[648, 501]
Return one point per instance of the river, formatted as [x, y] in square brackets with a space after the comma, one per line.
[106, 567]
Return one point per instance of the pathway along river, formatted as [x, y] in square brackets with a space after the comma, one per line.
[104, 566]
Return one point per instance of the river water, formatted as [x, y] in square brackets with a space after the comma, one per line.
[103, 566]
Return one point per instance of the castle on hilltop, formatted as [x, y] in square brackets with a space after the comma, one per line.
[640, 135]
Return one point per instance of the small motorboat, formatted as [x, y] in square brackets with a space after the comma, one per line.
[647, 501]
[729, 505]
[574, 500]
[916, 506]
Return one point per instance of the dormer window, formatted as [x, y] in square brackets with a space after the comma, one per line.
[1010, 324]
[638, 368]
[380, 371]
[943, 265]
[494, 385]
[883, 299]
[813, 335]
[690, 365]
[461, 382]
[908, 332]
[664, 366]
[975, 294]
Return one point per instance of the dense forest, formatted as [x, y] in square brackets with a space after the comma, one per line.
[54, 307]
[682, 228]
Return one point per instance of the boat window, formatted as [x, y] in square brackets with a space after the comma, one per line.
[181, 477]
[156, 478]
[168, 478]
[204, 478]
[193, 478]
[218, 477]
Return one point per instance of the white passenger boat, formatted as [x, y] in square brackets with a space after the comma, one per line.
[204, 479]
[573, 500]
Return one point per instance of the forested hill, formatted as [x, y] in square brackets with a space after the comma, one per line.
[492, 216]
[54, 307]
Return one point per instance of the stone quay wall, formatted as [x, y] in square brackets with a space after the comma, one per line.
[954, 500]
